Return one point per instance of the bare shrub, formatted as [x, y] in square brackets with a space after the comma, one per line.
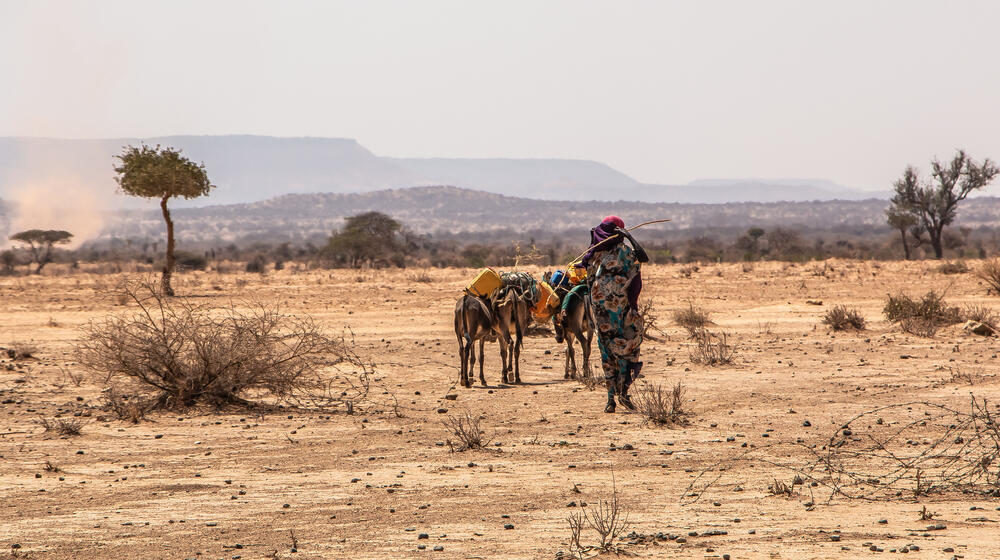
[577, 522]
[466, 429]
[989, 272]
[957, 267]
[921, 317]
[650, 317]
[659, 404]
[841, 318]
[694, 319]
[182, 353]
[62, 426]
[609, 518]
[712, 349]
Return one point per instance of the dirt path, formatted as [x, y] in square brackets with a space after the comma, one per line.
[235, 485]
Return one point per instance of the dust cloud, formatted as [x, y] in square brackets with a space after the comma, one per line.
[61, 203]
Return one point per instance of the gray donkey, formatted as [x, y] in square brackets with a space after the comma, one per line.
[512, 315]
[474, 320]
[487, 320]
[575, 321]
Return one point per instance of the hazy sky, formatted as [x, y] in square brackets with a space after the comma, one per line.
[664, 91]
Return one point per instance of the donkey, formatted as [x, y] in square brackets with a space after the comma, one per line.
[474, 320]
[575, 321]
[512, 315]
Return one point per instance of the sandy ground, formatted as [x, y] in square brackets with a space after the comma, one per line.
[203, 484]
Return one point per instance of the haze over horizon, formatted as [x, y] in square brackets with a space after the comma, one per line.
[665, 92]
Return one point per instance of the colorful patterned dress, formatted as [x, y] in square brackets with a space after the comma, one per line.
[619, 325]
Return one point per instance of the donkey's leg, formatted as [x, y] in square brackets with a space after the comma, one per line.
[585, 344]
[482, 360]
[503, 358]
[517, 358]
[469, 362]
[569, 348]
[570, 357]
[461, 357]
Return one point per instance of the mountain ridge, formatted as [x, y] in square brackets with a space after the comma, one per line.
[250, 168]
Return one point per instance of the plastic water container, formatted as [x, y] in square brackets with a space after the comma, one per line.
[548, 302]
[576, 274]
[485, 283]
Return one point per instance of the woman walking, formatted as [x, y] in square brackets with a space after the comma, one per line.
[614, 275]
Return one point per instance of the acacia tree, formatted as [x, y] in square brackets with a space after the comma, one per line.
[161, 173]
[905, 222]
[934, 204]
[370, 237]
[39, 244]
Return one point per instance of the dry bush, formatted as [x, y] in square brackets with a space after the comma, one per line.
[921, 317]
[694, 319]
[608, 518]
[466, 429]
[686, 271]
[712, 349]
[957, 267]
[980, 314]
[989, 272]
[659, 404]
[182, 353]
[841, 318]
[577, 523]
[21, 350]
[647, 311]
[62, 426]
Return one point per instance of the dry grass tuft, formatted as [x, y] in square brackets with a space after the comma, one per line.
[130, 408]
[465, 428]
[423, 277]
[712, 349]
[62, 426]
[659, 404]
[687, 271]
[980, 314]
[921, 317]
[693, 319]
[957, 267]
[841, 318]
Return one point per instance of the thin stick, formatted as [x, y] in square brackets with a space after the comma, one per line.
[615, 236]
